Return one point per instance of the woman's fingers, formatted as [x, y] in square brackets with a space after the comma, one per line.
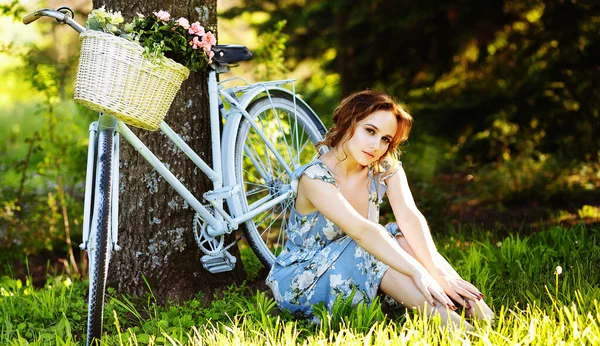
[452, 290]
[470, 287]
[425, 290]
[457, 298]
[443, 298]
[432, 291]
[464, 293]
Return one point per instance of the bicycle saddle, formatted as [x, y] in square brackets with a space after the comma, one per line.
[230, 54]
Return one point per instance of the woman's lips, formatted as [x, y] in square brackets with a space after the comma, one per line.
[369, 155]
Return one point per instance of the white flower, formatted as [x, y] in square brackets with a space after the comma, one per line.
[335, 280]
[306, 226]
[112, 28]
[101, 12]
[322, 268]
[274, 285]
[359, 252]
[558, 270]
[128, 27]
[329, 231]
[116, 18]
[308, 242]
[305, 279]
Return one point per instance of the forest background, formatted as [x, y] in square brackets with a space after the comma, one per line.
[505, 96]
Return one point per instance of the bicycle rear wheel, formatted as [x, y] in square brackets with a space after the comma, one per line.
[100, 234]
[293, 129]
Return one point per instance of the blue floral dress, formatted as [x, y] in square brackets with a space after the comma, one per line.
[319, 261]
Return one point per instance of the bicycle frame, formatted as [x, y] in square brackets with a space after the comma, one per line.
[218, 222]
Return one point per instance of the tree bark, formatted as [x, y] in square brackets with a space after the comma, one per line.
[155, 223]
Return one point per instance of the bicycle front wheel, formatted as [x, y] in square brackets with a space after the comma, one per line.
[100, 238]
[293, 130]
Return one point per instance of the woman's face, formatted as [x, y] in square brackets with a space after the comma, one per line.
[372, 137]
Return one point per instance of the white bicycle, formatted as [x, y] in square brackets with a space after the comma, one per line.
[268, 133]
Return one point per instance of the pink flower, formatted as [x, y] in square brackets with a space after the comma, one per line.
[162, 15]
[182, 22]
[195, 43]
[210, 56]
[209, 38]
[196, 29]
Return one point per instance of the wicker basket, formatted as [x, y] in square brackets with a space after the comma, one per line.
[114, 78]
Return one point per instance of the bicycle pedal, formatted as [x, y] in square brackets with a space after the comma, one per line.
[222, 262]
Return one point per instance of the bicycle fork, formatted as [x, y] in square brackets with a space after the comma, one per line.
[98, 132]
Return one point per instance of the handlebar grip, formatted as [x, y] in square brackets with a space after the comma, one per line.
[32, 17]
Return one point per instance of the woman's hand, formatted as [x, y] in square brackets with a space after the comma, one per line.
[456, 288]
[431, 289]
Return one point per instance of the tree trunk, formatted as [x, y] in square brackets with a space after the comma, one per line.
[155, 223]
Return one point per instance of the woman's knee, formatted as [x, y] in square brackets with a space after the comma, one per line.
[402, 288]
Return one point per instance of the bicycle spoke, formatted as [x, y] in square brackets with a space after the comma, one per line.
[306, 143]
[266, 147]
[256, 141]
[256, 184]
[268, 229]
[276, 115]
[296, 130]
[257, 163]
[299, 139]
[257, 191]
[255, 180]
[281, 236]
[266, 213]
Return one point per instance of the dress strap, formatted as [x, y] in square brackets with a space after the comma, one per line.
[314, 170]
[379, 184]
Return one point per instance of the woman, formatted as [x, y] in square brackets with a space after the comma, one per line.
[335, 244]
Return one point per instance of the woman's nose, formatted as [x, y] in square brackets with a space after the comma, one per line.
[375, 145]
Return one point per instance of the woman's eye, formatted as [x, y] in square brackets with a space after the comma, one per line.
[371, 131]
[387, 140]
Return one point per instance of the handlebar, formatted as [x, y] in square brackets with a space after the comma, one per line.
[63, 15]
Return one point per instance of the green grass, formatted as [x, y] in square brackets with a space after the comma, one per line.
[533, 304]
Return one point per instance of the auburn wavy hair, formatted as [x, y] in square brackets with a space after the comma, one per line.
[360, 105]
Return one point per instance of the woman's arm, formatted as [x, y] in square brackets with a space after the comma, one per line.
[413, 225]
[372, 237]
[410, 220]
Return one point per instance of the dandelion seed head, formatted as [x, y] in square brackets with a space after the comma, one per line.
[558, 270]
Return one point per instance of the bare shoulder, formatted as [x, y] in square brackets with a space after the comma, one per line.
[325, 197]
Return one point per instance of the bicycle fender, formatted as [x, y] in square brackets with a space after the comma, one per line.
[250, 95]
[227, 153]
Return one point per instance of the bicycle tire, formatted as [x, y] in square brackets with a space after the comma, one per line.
[99, 240]
[258, 231]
